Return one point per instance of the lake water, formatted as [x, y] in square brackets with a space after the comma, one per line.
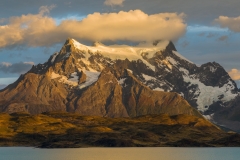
[165, 153]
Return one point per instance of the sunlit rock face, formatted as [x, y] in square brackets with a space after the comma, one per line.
[123, 81]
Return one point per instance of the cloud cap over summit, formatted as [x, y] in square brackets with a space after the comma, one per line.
[135, 25]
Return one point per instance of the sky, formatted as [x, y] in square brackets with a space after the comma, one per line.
[202, 31]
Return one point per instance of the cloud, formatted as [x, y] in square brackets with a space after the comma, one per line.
[223, 38]
[202, 29]
[20, 68]
[234, 74]
[198, 11]
[114, 2]
[135, 25]
[23, 29]
[232, 23]
[29, 63]
[6, 64]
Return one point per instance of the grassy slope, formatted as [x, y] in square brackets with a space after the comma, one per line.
[73, 130]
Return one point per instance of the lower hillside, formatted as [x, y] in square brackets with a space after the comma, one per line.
[67, 130]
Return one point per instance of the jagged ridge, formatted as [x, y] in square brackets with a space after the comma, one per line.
[89, 83]
[77, 71]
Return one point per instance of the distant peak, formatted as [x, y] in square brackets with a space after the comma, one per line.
[69, 41]
[171, 46]
[73, 42]
[69, 46]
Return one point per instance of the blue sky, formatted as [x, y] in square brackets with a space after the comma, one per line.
[207, 30]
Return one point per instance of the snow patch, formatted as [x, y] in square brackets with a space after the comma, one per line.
[172, 61]
[148, 51]
[55, 75]
[180, 56]
[63, 79]
[74, 78]
[209, 117]
[212, 69]
[206, 95]
[54, 57]
[147, 77]
[121, 81]
[92, 76]
[181, 94]
[186, 72]
[167, 64]
[123, 52]
[158, 89]
[67, 55]
[130, 71]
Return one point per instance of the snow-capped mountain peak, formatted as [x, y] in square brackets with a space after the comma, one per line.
[77, 68]
[207, 87]
[122, 51]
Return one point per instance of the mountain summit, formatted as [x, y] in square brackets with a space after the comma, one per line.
[123, 81]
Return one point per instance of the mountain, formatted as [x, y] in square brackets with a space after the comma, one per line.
[124, 81]
[81, 79]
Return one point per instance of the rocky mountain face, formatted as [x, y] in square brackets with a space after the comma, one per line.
[122, 81]
[80, 80]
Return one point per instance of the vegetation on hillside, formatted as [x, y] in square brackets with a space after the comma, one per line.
[68, 130]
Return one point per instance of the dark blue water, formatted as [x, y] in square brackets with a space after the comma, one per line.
[25, 153]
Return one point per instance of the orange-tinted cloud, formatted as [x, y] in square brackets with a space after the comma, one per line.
[27, 29]
[135, 25]
[234, 74]
[232, 23]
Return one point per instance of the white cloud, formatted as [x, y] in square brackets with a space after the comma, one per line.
[134, 25]
[234, 74]
[6, 64]
[114, 2]
[202, 28]
[232, 23]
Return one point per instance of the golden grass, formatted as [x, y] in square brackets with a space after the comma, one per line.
[78, 130]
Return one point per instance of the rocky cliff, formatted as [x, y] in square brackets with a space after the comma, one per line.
[122, 81]
[76, 80]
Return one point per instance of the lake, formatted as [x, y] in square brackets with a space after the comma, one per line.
[164, 153]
